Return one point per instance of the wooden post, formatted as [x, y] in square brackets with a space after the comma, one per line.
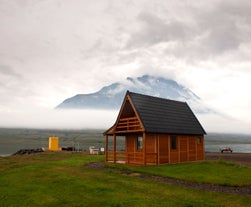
[196, 146]
[203, 147]
[126, 152]
[144, 148]
[114, 148]
[178, 137]
[157, 148]
[169, 148]
[188, 148]
[106, 147]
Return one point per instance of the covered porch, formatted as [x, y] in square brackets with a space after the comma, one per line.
[130, 131]
[128, 149]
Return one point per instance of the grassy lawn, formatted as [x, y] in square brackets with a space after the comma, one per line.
[61, 179]
[214, 172]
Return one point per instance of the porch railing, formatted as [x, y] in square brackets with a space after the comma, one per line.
[136, 158]
[128, 124]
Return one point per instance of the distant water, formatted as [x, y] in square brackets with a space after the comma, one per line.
[6, 150]
[9, 149]
[237, 142]
[241, 148]
[12, 140]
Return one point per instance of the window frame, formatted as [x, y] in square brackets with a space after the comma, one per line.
[199, 140]
[139, 143]
[173, 142]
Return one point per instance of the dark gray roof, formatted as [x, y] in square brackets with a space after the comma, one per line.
[160, 115]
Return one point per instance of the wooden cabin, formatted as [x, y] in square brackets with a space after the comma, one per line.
[155, 131]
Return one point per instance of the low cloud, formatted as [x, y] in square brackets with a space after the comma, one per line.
[6, 70]
[61, 119]
[154, 30]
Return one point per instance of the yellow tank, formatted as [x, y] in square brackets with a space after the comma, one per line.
[53, 144]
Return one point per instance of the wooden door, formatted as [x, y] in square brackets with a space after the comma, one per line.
[163, 147]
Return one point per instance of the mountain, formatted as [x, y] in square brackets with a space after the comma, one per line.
[111, 97]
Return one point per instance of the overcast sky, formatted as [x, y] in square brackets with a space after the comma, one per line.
[53, 49]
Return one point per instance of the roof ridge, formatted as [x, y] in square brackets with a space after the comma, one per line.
[156, 97]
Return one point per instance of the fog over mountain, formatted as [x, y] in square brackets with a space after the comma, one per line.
[111, 97]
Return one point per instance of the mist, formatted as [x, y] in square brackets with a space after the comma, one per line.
[58, 119]
[44, 118]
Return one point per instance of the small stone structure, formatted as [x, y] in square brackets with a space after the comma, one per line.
[94, 151]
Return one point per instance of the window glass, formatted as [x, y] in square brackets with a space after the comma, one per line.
[173, 142]
[140, 141]
[199, 140]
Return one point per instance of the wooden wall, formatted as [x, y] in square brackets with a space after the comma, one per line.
[163, 148]
[151, 149]
[188, 148]
[158, 149]
[134, 156]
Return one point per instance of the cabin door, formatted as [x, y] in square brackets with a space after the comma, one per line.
[163, 148]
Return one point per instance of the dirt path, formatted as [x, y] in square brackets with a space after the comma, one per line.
[246, 190]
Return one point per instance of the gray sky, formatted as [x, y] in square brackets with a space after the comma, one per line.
[53, 49]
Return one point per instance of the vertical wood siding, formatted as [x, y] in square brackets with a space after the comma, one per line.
[183, 149]
[188, 148]
[151, 151]
[158, 149]
[163, 148]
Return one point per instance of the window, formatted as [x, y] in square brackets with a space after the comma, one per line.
[139, 145]
[199, 140]
[173, 142]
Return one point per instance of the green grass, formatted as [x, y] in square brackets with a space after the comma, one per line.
[61, 179]
[213, 172]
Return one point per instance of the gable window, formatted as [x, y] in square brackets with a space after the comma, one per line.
[139, 143]
[173, 142]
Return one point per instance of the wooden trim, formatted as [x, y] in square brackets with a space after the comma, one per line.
[128, 118]
[130, 124]
[114, 148]
[158, 155]
[129, 131]
[203, 147]
[196, 146]
[144, 148]
[188, 148]
[127, 126]
[178, 143]
[106, 147]
[126, 160]
[141, 123]
[169, 148]
[113, 128]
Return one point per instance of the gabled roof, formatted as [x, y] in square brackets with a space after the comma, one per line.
[159, 115]
[165, 116]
